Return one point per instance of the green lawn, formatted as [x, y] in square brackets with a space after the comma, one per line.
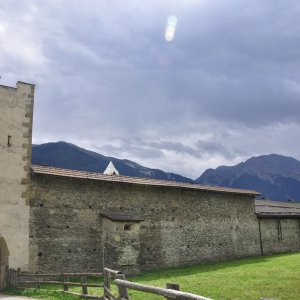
[276, 277]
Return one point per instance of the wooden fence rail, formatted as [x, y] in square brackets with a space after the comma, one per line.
[167, 293]
[16, 278]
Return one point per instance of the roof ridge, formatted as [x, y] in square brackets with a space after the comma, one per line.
[129, 179]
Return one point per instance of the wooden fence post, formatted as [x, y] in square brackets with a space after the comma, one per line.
[66, 279]
[12, 277]
[123, 291]
[38, 279]
[106, 284]
[18, 277]
[172, 286]
[15, 278]
[7, 276]
[84, 285]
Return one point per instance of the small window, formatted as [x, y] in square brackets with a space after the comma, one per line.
[9, 140]
[127, 227]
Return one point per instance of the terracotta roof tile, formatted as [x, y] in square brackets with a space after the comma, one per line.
[134, 180]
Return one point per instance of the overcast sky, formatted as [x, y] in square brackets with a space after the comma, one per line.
[225, 88]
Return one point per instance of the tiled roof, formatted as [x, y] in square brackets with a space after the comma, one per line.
[135, 180]
[267, 208]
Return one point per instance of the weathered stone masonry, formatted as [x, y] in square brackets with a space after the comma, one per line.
[180, 227]
[279, 225]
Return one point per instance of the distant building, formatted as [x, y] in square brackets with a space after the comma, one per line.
[111, 170]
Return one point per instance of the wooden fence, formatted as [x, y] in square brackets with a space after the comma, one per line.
[108, 276]
[16, 278]
[170, 292]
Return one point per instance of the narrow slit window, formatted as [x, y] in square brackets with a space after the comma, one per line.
[280, 236]
[9, 140]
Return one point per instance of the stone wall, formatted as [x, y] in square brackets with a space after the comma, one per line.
[15, 160]
[180, 227]
[280, 235]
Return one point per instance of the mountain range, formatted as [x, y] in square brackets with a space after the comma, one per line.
[276, 177]
[69, 156]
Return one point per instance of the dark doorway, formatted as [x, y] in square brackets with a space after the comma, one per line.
[4, 254]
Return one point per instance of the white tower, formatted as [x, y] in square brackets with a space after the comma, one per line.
[15, 161]
[111, 170]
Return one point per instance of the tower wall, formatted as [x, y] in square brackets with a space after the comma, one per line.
[16, 107]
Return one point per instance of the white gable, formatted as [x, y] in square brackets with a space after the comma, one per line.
[111, 170]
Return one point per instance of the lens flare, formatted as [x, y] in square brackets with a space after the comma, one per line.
[171, 28]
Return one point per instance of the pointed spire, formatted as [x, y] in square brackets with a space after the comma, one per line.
[111, 170]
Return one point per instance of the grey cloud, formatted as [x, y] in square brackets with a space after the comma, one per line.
[145, 149]
[176, 147]
[213, 148]
[103, 69]
[222, 63]
[129, 148]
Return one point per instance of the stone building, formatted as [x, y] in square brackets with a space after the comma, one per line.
[82, 221]
[179, 223]
[279, 226]
[64, 220]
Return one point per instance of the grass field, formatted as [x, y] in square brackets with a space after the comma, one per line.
[276, 277]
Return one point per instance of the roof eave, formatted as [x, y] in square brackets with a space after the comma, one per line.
[278, 216]
[199, 188]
